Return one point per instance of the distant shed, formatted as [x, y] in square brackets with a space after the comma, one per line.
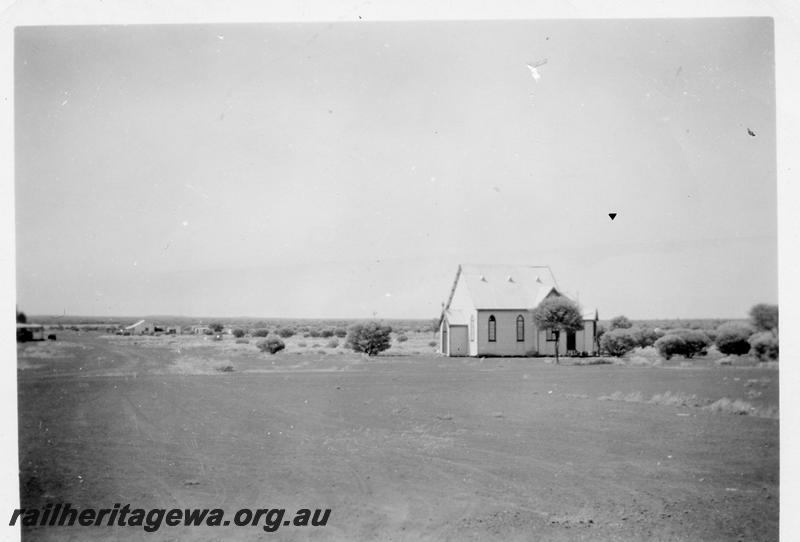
[142, 327]
[30, 332]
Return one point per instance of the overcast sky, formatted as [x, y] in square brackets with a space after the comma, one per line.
[345, 170]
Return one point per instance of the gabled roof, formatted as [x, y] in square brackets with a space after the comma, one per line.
[456, 317]
[137, 324]
[507, 286]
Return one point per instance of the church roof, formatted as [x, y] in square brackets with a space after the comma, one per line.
[508, 286]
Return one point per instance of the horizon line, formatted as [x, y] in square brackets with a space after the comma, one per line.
[155, 316]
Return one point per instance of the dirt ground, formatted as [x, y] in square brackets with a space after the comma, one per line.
[400, 447]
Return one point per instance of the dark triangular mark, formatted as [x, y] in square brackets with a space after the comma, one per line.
[751, 132]
[612, 215]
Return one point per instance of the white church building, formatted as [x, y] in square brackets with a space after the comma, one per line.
[490, 313]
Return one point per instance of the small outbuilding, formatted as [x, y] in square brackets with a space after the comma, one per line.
[29, 332]
[142, 327]
[490, 313]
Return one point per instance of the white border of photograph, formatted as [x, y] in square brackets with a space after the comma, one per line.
[109, 12]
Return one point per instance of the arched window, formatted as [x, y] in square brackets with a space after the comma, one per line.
[520, 329]
[492, 329]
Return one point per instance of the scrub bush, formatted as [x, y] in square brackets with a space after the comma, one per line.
[683, 342]
[697, 342]
[732, 338]
[271, 345]
[618, 342]
[645, 336]
[764, 317]
[370, 338]
[670, 345]
[764, 345]
[620, 322]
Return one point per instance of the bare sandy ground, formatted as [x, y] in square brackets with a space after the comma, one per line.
[412, 447]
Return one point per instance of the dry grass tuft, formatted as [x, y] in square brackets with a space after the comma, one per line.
[593, 361]
[742, 408]
[634, 397]
[195, 365]
[674, 399]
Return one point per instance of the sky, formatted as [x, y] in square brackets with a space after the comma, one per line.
[346, 169]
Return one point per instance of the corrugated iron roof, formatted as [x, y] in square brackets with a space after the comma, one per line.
[508, 286]
[137, 324]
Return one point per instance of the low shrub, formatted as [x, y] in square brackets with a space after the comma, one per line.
[732, 338]
[285, 332]
[433, 343]
[271, 345]
[242, 341]
[683, 342]
[51, 337]
[645, 336]
[601, 330]
[302, 344]
[340, 332]
[764, 345]
[238, 333]
[764, 317]
[333, 343]
[401, 338]
[260, 332]
[326, 333]
[314, 333]
[371, 338]
[674, 399]
[696, 341]
[736, 406]
[618, 342]
[670, 345]
[619, 322]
